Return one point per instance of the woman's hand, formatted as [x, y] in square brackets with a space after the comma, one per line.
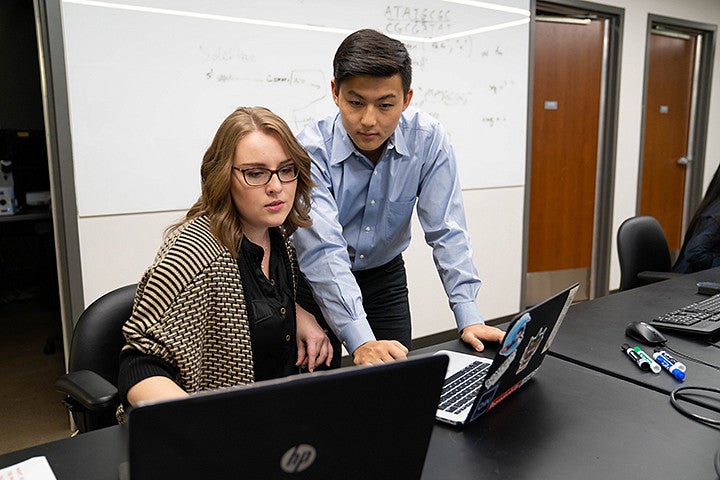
[313, 344]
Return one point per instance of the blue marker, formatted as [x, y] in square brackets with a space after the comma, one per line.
[672, 367]
[673, 360]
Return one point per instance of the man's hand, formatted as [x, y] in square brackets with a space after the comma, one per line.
[313, 344]
[379, 351]
[474, 335]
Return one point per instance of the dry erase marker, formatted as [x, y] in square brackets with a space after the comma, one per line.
[669, 366]
[671, 359]
[654, 367]
[639, 361]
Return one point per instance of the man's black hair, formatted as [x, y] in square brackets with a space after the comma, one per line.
[369, 52]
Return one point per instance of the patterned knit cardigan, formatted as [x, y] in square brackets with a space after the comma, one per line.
[190, 310]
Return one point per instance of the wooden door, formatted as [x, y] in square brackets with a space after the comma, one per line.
[566, 113]
[667, 126]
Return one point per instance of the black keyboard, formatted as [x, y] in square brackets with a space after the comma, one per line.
[699, 317]
[461, 389]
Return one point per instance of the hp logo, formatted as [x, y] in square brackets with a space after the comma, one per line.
[298, 458]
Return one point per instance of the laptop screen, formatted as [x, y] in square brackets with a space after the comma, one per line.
[337, 424]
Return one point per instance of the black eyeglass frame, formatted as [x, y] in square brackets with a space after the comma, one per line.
[272, 172]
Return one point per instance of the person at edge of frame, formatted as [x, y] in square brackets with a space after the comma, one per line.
[701, 247]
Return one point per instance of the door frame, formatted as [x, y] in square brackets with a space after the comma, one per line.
[607, 136]
[699, 107]
[48, 23]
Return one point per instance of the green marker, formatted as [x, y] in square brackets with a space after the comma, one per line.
[654, 366]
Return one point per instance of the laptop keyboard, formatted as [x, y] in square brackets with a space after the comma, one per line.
[705, 310]
[461, 389]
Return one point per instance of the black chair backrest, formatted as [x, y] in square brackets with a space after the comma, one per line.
[642, 246]
[98, 337]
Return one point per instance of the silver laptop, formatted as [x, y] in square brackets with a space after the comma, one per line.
[343, 423]
[474, 385]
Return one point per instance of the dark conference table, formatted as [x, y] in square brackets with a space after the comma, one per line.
[569, 422]
[593, 417]
[593, 331]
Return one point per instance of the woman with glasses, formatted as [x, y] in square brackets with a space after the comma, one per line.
[217, 306]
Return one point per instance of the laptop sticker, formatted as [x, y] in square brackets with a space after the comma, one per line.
[484, 403]
[514, 336]
[490, 381]
[512, 340]
[555, 329]
[531, 348]
[506, 393]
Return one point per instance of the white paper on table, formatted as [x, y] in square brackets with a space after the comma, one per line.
[35, 468]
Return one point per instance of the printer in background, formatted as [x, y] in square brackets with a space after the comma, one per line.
[24, 171]
[8, 203]
[37, 199]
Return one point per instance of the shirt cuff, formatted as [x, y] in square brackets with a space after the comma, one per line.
[355, 334]
[467, 314]
[136, 366]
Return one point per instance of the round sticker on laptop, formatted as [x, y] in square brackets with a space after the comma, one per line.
[514, 336]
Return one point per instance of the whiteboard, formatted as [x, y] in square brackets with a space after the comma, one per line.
[149, 82]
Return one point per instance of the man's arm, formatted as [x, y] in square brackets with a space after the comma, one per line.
[325, 262]
[323, 258]
[442, 216]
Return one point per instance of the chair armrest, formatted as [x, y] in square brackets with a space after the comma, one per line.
[89, 389]
[652, 277]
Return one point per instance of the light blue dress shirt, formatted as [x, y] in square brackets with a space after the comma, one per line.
[362, 214]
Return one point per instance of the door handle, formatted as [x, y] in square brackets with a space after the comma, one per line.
[684, 160]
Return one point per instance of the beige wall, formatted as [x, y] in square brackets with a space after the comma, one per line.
[116, 249]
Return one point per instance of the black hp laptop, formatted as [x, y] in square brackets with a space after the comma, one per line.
[344, 423]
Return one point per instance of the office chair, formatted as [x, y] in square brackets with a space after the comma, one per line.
[643, 253]
[90, 385]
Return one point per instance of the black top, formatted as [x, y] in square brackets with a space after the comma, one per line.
[702, 250]
[270, 307]
[271, 315]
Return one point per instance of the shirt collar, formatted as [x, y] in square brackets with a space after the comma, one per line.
[397, 141]
[256, 251]
[343, 146]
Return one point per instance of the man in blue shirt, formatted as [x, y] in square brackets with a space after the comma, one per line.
[372, 162]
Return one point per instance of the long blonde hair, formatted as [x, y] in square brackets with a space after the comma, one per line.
[216, 174]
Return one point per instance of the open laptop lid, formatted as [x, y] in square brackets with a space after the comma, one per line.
[337, 424]
[527, 340]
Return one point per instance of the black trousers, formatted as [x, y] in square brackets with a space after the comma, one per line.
[385, 299]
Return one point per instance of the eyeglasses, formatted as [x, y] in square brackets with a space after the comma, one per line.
[257, 177]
